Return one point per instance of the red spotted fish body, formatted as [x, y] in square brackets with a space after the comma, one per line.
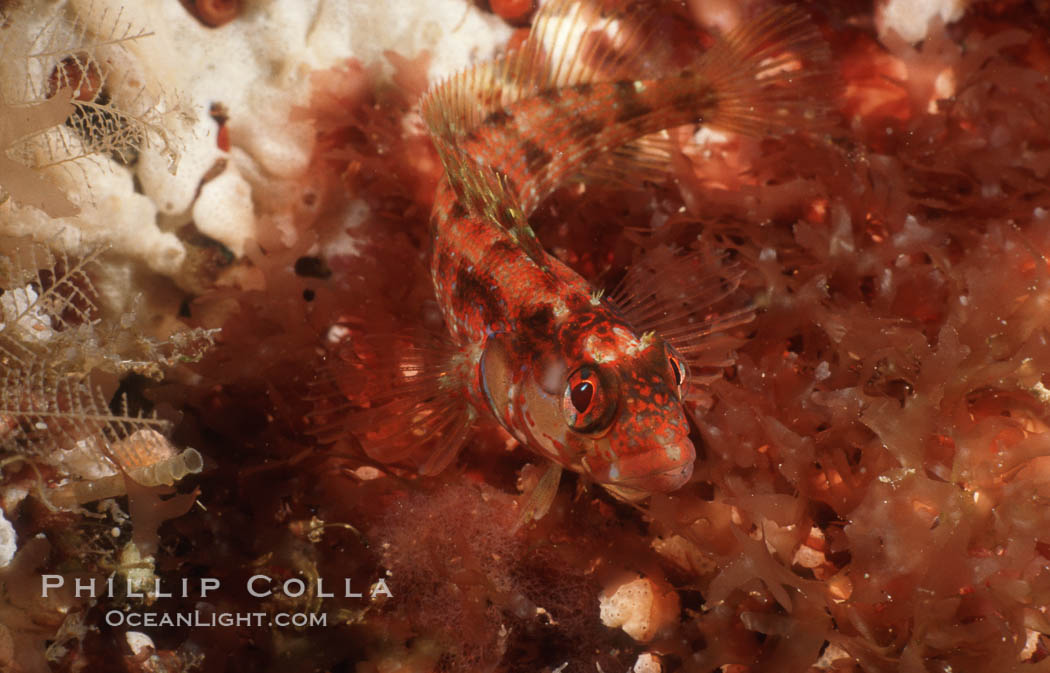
[559, 367]
[594, 384]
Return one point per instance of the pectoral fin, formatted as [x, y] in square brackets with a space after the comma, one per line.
[538, 501]
[686, 300]
[403, 397]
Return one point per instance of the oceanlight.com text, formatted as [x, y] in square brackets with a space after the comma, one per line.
[205, 619]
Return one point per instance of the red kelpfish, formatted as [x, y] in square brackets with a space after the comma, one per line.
[593, 383]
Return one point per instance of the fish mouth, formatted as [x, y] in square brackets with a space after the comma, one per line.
[639, 487]
[661, 481]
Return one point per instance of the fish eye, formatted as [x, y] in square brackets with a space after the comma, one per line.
[677, 368]
[582, 394]
[588, 402]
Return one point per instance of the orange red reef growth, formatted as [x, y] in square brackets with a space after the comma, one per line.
[872, 482]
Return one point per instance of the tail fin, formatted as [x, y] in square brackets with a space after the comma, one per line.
[771, 75]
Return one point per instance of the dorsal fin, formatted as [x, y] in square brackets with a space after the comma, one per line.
[485, 190]
[571, 42]
[644, 160]
[579, 88]
[554, 56]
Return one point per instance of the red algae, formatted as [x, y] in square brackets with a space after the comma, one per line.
[873, 472]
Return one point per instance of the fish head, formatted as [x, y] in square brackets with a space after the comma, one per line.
[606, 402]
[625, 399]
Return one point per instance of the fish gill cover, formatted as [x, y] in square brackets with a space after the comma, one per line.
[873, 472]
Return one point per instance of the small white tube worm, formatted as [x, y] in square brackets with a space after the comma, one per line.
[165, 472]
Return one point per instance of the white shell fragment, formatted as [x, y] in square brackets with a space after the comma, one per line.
[647, 663]
[641, 607]
[911, 19]
[140, 643]
[8, 541]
